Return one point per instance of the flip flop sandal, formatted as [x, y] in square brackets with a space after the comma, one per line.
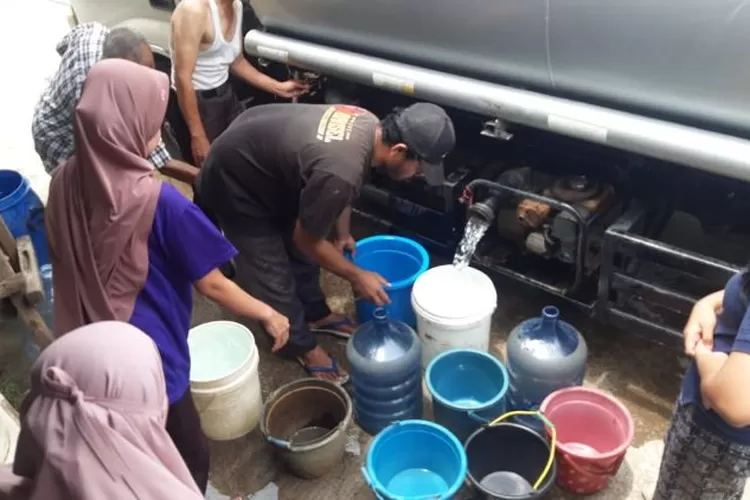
[334, 368]
[331, 328]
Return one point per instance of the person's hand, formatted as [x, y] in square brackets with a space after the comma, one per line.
[346, 244]
[200, 147]
[277, 326]
[369, 286]
[700, 326]
[291, 88]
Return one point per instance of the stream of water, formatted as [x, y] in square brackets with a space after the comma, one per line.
[473, 233]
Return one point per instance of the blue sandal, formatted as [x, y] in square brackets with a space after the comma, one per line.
[332, 328]
[333, 368]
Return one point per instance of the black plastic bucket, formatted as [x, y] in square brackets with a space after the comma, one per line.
[506, 459]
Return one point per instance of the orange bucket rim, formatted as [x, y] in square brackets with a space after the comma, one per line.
[614, 453]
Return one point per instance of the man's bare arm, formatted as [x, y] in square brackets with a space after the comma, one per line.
[183, 172]
[243, 69]
[188, 24]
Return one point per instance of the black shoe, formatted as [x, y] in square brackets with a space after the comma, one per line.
[228, 269]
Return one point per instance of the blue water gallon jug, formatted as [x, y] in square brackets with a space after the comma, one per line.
[386, 371]
[544, 354]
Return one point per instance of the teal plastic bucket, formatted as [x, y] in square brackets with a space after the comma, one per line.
[400, 261]
[468, 389]
[415, 460]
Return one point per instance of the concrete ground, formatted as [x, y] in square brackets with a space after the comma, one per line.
[643, 375]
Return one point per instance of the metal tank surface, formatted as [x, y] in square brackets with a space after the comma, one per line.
[681, 61]
[385, 358]
[544, 354]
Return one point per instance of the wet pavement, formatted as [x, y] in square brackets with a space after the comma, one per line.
[645, 376]
[641, 373]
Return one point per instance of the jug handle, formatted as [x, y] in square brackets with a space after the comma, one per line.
[279, 443]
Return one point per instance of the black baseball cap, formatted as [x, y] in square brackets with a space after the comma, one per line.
[428, 132]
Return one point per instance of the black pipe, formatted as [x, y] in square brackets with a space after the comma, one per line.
[583, 228]
[487, 208]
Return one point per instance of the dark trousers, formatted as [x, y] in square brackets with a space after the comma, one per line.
[218, 108]
[184, 427]
[271, 269]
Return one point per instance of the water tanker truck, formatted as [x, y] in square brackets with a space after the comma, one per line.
[604, 143]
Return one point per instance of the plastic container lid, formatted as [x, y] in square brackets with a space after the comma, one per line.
[447, 295]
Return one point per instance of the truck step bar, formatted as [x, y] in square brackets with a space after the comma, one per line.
[720, 154]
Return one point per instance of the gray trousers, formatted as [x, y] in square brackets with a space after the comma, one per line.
[271, 269]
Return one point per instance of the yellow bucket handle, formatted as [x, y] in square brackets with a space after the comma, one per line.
[553, 438]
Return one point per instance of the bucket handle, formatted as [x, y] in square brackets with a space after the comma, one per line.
[553, 439]
[381, 495]
[369, 482]
[595, 470]
[279, 443]
[476, 417]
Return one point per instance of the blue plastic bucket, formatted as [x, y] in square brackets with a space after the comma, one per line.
[415, 460]
[23, 212]
[468, 389]
[398, 260]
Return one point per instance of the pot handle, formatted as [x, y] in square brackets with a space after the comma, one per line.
[279, 443]
[553, 438]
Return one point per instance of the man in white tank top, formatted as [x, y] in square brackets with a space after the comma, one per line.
[206, 44]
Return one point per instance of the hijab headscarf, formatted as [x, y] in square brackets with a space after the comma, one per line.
[102, 201]
[92, 426]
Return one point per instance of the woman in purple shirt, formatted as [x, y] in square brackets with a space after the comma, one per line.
[125, 246]
[707, 449]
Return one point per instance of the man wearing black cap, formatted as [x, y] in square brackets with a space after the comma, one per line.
[282, 176]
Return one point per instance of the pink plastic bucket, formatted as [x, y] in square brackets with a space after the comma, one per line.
[594, 431]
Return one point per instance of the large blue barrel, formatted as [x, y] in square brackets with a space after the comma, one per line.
[23, 211]
[385, 360]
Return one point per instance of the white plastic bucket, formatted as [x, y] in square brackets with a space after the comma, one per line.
[224, 379]
[454, 310]
[9, 430]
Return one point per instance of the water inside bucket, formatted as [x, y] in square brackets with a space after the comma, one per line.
[582, 449]
[309, 435]
[468, 403]
[506, 483]
[217, 350]
[417, 483]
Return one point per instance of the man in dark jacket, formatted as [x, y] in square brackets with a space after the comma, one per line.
[282, 176]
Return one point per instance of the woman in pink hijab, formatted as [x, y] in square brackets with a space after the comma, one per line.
[92, 426]
[125, 246]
